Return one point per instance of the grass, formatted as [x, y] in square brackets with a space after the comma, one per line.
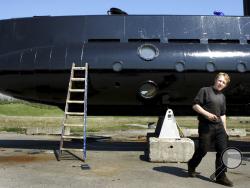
[192, 122]
[17, 116]
[28, 109]
[12, 129]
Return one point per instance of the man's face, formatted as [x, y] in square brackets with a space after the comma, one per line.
[220, 83]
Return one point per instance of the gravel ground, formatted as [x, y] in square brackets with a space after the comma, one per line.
[113, 161]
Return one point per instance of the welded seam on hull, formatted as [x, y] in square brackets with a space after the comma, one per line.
[83, 45]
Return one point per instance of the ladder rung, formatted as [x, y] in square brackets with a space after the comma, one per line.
[78, 79]
[73, 125]
[78, 102]
[79, 68]
[71, 149]
[76, 90]
[74, 113]
[74, 137]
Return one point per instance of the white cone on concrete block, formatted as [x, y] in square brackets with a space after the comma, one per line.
[169, 128]
[169, 147]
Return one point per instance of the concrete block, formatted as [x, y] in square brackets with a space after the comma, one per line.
[190, 132]
[237, 132]
[231, 132]
[47, 130]
[170, 149]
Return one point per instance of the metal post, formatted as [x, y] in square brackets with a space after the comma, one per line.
[85, 112]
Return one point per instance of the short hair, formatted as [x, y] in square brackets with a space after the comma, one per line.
[226, 76]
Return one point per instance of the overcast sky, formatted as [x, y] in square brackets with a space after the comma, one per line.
[28, 8]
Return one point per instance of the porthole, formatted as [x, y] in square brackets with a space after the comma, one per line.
[148, 90]
[117, 84]
[179, 66]
[241, 67]
[148, 52]
[210, 67]
[117, 66]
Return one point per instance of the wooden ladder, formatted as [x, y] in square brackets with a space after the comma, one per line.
[75, 106]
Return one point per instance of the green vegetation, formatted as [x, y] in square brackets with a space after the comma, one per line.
[28, 109]
[29, 121]
[19, 115]
[12, 129]
[93, 128]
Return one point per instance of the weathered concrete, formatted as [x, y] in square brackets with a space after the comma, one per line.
[170, 150]
[189, 132]
[28, 161]
[237, 132]
[231, 132]
[47, 130]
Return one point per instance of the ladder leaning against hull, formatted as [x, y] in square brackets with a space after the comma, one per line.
[75, 107]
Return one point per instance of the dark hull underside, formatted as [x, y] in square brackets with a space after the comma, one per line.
[36, 56]
[117, 94]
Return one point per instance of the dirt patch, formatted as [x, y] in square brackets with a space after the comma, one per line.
[108, 171]
[243, 138]
[138, 138]
[21, 159]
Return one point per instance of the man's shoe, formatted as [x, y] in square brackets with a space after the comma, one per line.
[191, 172]
[224, 181]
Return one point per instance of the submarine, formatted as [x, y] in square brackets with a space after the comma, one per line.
[138, 64]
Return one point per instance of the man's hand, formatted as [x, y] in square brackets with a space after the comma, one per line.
[212, 117]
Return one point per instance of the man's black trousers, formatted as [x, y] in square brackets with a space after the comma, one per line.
[209, 134]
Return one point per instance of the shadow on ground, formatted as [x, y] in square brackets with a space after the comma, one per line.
[180, 172]
[99, 144]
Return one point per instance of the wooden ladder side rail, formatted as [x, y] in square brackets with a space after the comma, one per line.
[66, 110]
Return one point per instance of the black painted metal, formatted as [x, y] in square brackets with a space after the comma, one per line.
[36, 56]
[246, 6]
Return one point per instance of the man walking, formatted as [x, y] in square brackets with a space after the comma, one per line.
[210, 104]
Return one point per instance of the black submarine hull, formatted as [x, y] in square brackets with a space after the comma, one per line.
[138, 65]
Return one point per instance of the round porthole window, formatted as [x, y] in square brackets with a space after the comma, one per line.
[117, 66]
[241, 67]
[210, 67]
[179, 66]
[148, 90]
[148, 52]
